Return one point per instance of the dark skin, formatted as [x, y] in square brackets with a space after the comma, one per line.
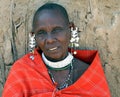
[52, 32]
[78, 69]
[52, 37]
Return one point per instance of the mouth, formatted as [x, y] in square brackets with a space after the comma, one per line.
[54, 48]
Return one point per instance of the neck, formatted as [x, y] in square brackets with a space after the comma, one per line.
[64, 63]
[55, 60]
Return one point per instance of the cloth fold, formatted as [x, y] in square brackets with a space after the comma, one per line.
[30, 78]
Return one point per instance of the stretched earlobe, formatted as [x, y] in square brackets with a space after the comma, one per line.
[71, 24]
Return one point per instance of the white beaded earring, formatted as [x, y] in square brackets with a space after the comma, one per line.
[74, 38]
[32, 44]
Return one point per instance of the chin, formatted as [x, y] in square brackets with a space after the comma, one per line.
[55, 57]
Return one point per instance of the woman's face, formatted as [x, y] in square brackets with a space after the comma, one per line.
[52, 34]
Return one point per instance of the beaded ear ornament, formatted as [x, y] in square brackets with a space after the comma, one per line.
[32, 44]
[74, 38]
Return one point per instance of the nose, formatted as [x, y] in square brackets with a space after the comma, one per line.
[50, 38]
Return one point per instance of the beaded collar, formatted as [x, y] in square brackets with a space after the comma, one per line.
[60, 65]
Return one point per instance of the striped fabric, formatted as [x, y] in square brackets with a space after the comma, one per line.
[30, 78]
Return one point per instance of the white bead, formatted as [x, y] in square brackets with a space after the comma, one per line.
[77, 45]
[32, 57]
[72, 40]
[74, 52]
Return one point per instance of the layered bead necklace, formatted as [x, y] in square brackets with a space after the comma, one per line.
[60, 65]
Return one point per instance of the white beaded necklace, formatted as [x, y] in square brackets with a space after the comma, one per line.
[60, 64]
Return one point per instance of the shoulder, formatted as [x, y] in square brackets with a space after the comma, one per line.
[80, 65]
[21, 66]
[15, 78]
[21, 61]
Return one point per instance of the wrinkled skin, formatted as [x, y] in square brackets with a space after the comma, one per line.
[52, 37]
[52, 34]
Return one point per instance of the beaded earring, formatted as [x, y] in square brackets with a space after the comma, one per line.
[32, 44]
[74, 38]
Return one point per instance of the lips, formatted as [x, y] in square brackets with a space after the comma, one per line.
[52, 49]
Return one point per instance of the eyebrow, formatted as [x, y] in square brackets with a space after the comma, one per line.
[44, 27]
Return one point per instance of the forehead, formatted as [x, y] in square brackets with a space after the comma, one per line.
[51, 16]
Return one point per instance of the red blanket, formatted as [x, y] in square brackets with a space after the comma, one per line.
[30, 78]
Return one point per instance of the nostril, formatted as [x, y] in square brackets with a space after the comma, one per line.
[50, 38]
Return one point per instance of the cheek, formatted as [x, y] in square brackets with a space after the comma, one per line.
[68, 37]
[40, 43]
[66, 40]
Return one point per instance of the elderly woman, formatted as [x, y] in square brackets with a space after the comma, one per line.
[51, 69]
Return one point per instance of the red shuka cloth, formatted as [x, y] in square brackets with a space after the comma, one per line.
[30, 78]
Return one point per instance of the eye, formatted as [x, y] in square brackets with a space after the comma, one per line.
[41, 32]
[57, 30]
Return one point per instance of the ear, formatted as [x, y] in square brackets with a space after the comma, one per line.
[71, 24]
[31, 32]
[69, 34]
